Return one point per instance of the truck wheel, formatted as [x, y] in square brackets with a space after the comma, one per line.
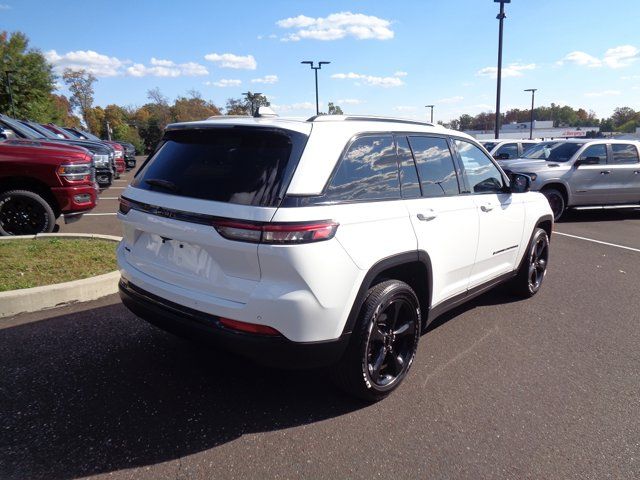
[556, 202]
[25, 213]
[533, 267]
[383, 343]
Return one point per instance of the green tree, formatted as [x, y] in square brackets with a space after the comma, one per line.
[31, 76]
[622, 116]
[334, 109]
[80, 83]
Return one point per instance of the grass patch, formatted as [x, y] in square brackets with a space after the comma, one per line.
[33, 263]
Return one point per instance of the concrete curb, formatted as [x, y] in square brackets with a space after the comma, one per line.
[50, 296]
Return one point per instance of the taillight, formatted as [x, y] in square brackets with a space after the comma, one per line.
[276, 233]
[125, 206]
[75, 172]
[248, 327]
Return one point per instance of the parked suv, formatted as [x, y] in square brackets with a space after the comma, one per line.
[583, 174]
[39, 183]
[327, 242]
[507, 149]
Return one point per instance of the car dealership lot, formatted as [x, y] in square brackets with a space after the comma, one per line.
[543, 388]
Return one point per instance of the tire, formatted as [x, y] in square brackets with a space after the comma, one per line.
[556, 202]
[23, 212]
[533, 268]
[383, 343]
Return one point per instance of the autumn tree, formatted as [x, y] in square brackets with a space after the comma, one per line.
[193, 107]
[80, 84]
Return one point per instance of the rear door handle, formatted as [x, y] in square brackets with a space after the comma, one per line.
[427, 217]
[486, 207]
[605, 172]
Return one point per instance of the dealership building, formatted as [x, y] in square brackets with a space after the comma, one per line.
[543, 130]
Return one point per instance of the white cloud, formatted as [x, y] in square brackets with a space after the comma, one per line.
[229, 60]
[455, 99]
[268, 79]
[630, 77]
[400, 73]
[4, 6]
[405, 108]
[371, 80]
[301, 106]
[620, 57]
[349, 101]
[104, 66]
[337, 26]
[512, 70]
[225, 82]
[167, 68]
[604, 93]
[580, 58]
[616, 57]
[96, 63]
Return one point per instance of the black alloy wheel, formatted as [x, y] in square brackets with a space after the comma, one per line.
[383, 342]
[533, 267]
[538, 259]
[392, 340]
[24, 213]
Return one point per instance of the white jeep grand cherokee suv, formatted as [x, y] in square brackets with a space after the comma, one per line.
[327, 242]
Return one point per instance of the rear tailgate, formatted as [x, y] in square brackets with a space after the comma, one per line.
[195, 177]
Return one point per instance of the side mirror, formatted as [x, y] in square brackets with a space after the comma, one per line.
[502, 156]
[587, 161]
[520, 183]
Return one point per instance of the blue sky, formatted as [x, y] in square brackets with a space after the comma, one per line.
[387, 58]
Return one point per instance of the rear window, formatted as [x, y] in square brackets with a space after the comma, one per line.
[245, 166]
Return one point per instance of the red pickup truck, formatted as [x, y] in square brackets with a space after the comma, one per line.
[39, 182]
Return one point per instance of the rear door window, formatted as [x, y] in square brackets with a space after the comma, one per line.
[245, 166]
[435, 166]
[408, 174]
[367, 171]
[624, 153]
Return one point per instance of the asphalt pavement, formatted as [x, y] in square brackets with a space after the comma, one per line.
[547, 388]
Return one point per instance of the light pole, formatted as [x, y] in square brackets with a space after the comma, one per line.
[431, 107]
[501, 16]
[13, 107]
[315, 69]
[251, 97]
[533, 96]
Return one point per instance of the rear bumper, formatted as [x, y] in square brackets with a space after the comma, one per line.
[275, 351]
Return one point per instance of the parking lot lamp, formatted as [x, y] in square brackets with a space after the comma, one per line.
[13, 107]
[431, 107]
[501, 16]
[533, 96]
[315, 69]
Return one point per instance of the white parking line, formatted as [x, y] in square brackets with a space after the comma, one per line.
[117, 188]
[108, 198]
[598, 241]
[98, 214]
[127, 181]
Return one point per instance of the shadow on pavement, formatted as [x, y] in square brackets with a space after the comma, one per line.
[601, 215]
[99, 391]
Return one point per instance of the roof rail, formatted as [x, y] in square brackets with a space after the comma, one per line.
[365, 118]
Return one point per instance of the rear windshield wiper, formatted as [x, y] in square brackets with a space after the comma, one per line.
[158, 182]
